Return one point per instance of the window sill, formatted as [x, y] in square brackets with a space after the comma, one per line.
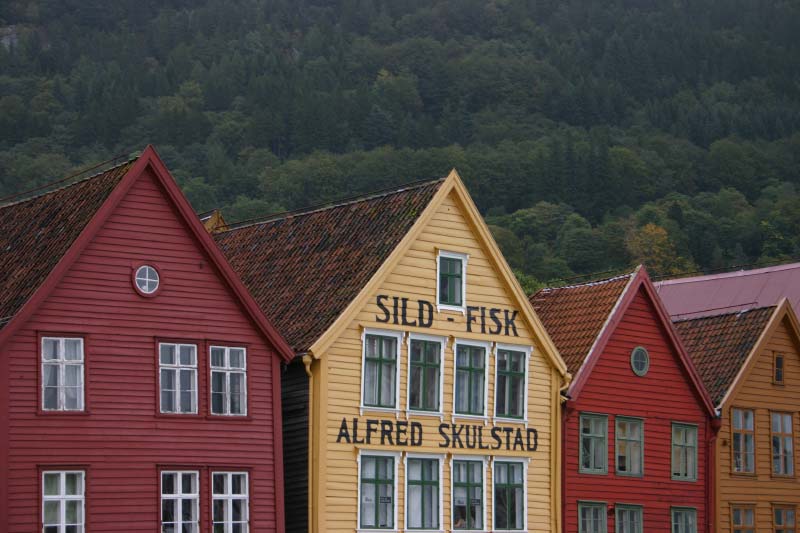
[593, 473]
[520, 421]
[482, 418]
[684, 480]
[433, 414]
[42, 412]
[782, 476]
[237, 418]
[744, 474]
[386, 410]
[451, 308]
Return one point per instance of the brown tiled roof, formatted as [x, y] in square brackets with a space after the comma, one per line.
[719, 345]
[304, 268]
[574, 316]
[35, 233]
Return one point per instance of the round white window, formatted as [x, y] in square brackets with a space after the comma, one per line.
[640, 361]
[146, 279]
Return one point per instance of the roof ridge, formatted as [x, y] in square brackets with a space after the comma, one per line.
[589, 283]
[66, 185]
[316, 208]
[770, 266]
[727, 313]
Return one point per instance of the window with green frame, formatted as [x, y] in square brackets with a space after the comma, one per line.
[594, 444]
[592, 517]
[422, 493]
[509, 495]
[468, 495]
[629, 446]
[380, 371]
[423, 386]
[470, 379]
[684, 520]
[451, 280]
[684, 452]
[510, 386]
[628, 518]
[377, 492]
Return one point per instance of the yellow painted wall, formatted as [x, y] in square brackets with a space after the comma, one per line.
[338, 379]
[761, 395]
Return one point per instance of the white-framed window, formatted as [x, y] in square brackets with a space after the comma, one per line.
[509, 490]
[470, 386]
[177, 375]
[377, 490]
[228, 380]
[629, 446]
[230, 502]
[146, 279]
[62, 374]
[468, 493]
[511, 382]
[629, 518]
[684, 452]
[63, 501]
[592, 517]
[451, 285]
[425, 376]
[379, 369]
[593, 444]
[744, 445]
[684, 520]
[180, 502]
[423, 492]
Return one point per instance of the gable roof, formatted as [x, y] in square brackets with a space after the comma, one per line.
[305, 267]
[58, 225]
[732, 291]
[720, 345]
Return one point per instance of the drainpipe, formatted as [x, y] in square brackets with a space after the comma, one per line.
[714, 426]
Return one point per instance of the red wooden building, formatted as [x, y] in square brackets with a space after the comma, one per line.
[638, 427]
[139, 386]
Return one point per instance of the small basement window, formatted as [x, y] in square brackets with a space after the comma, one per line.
[146, 279]
[640, 361]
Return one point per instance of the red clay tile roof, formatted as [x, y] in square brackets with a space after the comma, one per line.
[719, 345]
[574, 316]
[35, 233]
[304, 268]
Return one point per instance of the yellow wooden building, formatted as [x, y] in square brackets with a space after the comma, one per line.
[426, 394]
[750, 362]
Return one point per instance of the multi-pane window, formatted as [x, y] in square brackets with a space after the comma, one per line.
[594, 444]
[743, 519]
[467, 495]
[784, 519]
[777, 375]
[228, 381]
[782, 444]
[630, 446]
[180, 502]
[423, 386]
[63, 502]
[592, 517]
[451, 280]
[684, 520]
[229, 502]
[628, 519]
[509, 495]
[510, 387]
[380, 371]
[422, 493]
[743, 441]
[470, 379]
[377, 492]
[684, 452]
[62, 374]
[178, 377]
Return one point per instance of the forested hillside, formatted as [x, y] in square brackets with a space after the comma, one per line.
[592, 134]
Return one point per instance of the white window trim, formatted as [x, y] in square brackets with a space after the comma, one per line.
[475, 458]
[527, 350]
[398, 336]
[61, 363]
[464, 259]
[177, 367]
[227, 497]
[487, 346]
[524, 462]
[438, 457]
[179, 496]
[442, 344]
[227, 369]
[397, 456]
[63, 498]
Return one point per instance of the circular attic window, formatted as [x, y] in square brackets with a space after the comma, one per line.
[640, 361]
[146, 280]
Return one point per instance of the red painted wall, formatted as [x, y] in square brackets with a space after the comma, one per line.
[121, 440]
[664, 395]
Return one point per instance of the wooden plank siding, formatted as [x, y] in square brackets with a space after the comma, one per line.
[121, 440]
[758, 393]
[338, 376]
[663, 396]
